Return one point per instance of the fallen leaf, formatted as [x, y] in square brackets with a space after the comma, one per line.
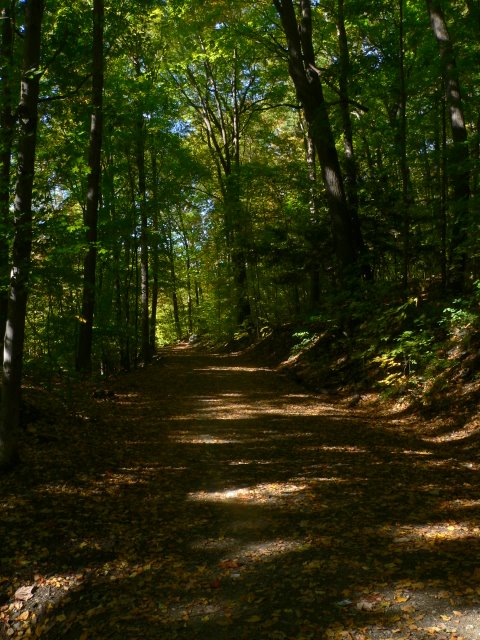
[401, 598]
[215, 584]
[254, 619]
[365, 605]
[229, 564]
[25, 593]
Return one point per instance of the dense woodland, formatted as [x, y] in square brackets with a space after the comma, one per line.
[171, 168]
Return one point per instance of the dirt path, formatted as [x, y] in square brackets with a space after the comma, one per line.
[210, 499]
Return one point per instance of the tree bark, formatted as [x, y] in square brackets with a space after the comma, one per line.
[188, 267]
[459, 156]
[351, 170]
[23, 231]
[306, 78]
[85, 338]
[173, 282]
[402, 144]
[155, 257]
[7, 125]
[145, 354]
[314, 210]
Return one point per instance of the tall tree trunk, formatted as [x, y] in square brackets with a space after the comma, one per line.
[402, 144]
[351, 171]
[188, 267]
[22, 242]
[170, 247]
[458, 165]
[85, 338]
[443, 197]
[236, 231]
[7, 124]
[239, 252]
[306, 78]
[314, 210]
[155, 256]
[145, 354]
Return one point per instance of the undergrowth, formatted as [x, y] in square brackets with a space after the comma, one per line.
[421, 348]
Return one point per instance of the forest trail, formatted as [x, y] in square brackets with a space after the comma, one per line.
[208, 498]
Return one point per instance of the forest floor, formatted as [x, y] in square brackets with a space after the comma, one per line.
[205, 497]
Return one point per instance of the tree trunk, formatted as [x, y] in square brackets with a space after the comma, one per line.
[402, 144]
[458, 165]
[22, 242]
[145, 354]
[173, 281]
[188, 268]
[306, 78]
[7, 124]
[351, 171]
[314, 211]
[85, 338]
[239, 240]
[155, 257]
[443, 197]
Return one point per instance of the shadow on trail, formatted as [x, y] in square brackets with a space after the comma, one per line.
[226, 502]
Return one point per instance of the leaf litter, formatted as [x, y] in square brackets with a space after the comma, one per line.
[204, 497]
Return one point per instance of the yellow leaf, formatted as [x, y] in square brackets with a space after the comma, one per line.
[446, 618]
[401, 598]
[61, 618]
[408, 608]
[254, 619]
[23, 616]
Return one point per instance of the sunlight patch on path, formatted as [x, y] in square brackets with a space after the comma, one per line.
[241, 369]
[272, 491]
[186, 437]
[234, 406]
[423, 536]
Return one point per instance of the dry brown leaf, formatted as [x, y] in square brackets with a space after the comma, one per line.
[25, 593]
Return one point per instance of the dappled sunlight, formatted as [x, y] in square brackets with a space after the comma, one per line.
[341, 449]
[424, 611]
[261, 493]
[238, 369]
[186, 437]
[416, 452]
[268, 549]
[235, 406]
[335, 480]
[240, 436]
[254, 551]
[422, 536]
[456, 435]
[237, 504]
[459, 503]
[239, 463]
